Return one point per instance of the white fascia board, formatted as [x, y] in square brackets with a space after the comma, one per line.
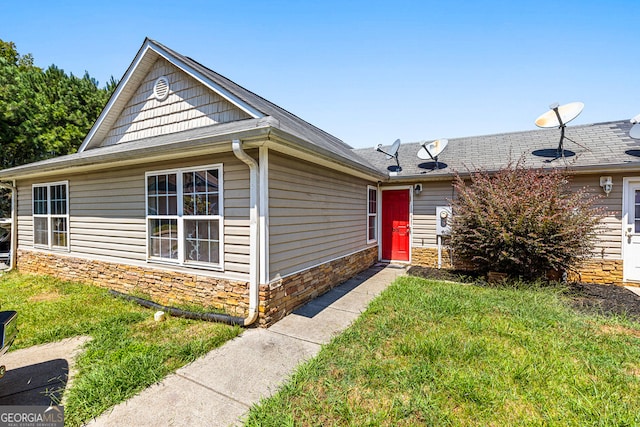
[209, 83]
[116, 94]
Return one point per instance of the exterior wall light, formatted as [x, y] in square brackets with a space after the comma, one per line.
[606, 183]
[417, 189]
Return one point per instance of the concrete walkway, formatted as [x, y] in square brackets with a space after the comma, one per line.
[219, 388]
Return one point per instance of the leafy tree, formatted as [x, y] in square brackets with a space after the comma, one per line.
[43, 113]
[521, 221]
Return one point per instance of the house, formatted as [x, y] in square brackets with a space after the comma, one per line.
[191, 188]
[594, 154]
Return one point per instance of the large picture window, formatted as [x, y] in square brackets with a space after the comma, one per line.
[372, 214]
[185, 216]
[51, 215]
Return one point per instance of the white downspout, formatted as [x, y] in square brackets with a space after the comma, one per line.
[254, 232]
[13, 247]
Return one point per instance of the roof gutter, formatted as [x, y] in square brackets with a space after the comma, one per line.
[254, 232]
[13, 253]
[283, 141]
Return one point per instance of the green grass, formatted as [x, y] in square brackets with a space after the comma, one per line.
[446, 354]
[128, 351]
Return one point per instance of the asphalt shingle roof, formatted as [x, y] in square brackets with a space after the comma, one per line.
[288, 122]
[594, 146]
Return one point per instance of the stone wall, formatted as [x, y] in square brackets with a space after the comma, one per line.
[428, 257]
[277, 299]
[284, 295]
[600, 271]
[162, 286]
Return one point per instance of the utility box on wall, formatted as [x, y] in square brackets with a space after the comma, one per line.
[443, 220]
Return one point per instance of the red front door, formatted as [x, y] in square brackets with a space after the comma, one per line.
[395, 225]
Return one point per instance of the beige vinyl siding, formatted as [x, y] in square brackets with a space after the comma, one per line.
[315, 215]
[107, 213]
[433, 194]
[188, 105]
[609, 241]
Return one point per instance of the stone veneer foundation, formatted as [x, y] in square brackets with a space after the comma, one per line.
[598, 271]
[284, 295]
[162, 286]
[277, 299]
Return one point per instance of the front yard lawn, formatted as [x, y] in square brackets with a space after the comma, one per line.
[446, 354]
[128, 352]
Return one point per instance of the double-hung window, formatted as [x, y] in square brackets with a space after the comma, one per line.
[51, 215]
[372, 214]
[185, 216]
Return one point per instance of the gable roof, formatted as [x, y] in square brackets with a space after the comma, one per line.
[264, 118]
[254, 105]
[595, 147]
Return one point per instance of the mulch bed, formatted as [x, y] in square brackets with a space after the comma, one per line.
[600, 299]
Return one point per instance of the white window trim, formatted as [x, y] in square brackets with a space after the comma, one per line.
[50, 216]
[375, 215]
[180, 217]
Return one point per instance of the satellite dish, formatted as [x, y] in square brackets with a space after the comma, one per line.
[559, 116]
[634, 132]
[392, 152]
[432, 149]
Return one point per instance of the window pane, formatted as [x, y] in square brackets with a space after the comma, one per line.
[163, 238]
[200, 193]
[40, 200]
[172, 186]
[202, 241]
[152, 205]
[212, 180]
[372, 228]
[162, 184]
[59, 231]
[373, 206]
[59, 199]
[187, 182]
[152, 185]
[173, 205]
[40, 231]
[161, 191]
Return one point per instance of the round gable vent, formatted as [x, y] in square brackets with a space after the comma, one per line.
[161, 88]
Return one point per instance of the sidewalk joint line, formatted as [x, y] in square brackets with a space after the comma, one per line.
[296, 338]
[213, 390]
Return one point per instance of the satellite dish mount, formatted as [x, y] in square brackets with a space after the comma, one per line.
[392, 153]
[559, 116]
[432, 150]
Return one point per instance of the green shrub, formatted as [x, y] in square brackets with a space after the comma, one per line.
[521, 221]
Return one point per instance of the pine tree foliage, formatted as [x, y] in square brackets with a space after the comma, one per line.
[44, 113]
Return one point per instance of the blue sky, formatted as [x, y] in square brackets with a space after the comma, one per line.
[368, 71]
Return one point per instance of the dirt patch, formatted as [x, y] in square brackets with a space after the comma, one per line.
[606, 300]
[51, 296]
[619, 330]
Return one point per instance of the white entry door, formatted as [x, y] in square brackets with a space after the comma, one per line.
[631, 229]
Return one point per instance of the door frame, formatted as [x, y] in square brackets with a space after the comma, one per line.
[627, 182]
[408, 187]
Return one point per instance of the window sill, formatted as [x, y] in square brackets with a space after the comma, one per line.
[187, 265]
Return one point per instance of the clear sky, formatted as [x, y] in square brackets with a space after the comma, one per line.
[368, 71]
